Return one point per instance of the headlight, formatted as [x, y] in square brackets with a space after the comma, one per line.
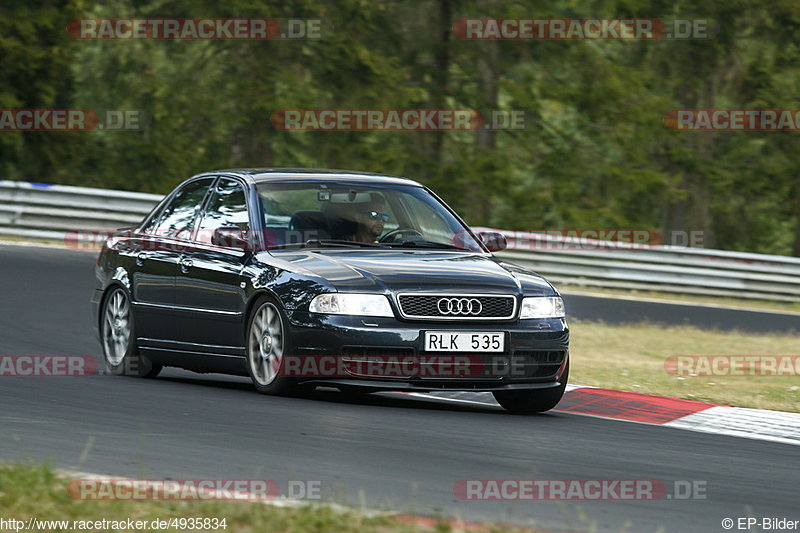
[542, 307]
[351, 304]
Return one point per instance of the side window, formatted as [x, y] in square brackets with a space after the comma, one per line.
[177, 218]
[226, 208]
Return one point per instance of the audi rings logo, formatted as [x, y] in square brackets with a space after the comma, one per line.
[459, 306]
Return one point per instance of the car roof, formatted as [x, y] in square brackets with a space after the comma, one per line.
[261, 175]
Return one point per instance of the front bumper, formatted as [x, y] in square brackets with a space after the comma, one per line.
[535, 356]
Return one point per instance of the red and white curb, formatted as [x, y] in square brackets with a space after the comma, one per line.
[761, 424]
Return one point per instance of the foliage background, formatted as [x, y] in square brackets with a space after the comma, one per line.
[597, 155]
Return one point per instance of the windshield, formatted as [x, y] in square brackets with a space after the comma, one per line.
[359, 215]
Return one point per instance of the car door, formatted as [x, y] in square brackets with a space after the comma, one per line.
[156, 253]
[209, 297]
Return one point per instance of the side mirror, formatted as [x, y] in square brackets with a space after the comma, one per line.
[494, 241]
[230, 237]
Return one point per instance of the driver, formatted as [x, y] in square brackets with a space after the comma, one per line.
[370, 218]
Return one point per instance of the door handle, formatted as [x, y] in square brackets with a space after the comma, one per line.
[186, 264]
[140, 257]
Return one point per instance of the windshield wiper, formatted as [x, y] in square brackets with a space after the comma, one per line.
[360, 244]
[328, 243]
[426, 244]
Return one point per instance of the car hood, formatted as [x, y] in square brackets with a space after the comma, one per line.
[403, 270]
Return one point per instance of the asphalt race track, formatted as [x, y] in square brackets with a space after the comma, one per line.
[396, 452]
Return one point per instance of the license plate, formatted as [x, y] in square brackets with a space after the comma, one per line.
[447, 341]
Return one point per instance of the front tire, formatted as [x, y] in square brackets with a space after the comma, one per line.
[118, 338]
[267, 343]
[533, 401]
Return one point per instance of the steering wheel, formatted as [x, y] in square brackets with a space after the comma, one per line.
[391, 236]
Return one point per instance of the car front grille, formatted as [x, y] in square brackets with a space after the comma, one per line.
[536, 364]
[357, 360]
[385, 351]
[521, 365]
[457, 306]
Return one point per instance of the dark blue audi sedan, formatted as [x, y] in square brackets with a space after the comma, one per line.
[300, 278]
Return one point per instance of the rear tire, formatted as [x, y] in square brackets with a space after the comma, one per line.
[118, 337]
[267, 343]
[533, 401]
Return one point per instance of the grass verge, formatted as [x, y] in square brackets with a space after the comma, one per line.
[631, 357]
[34, 491]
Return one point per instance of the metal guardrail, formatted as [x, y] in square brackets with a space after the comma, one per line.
[42, 211]
[663, 268]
